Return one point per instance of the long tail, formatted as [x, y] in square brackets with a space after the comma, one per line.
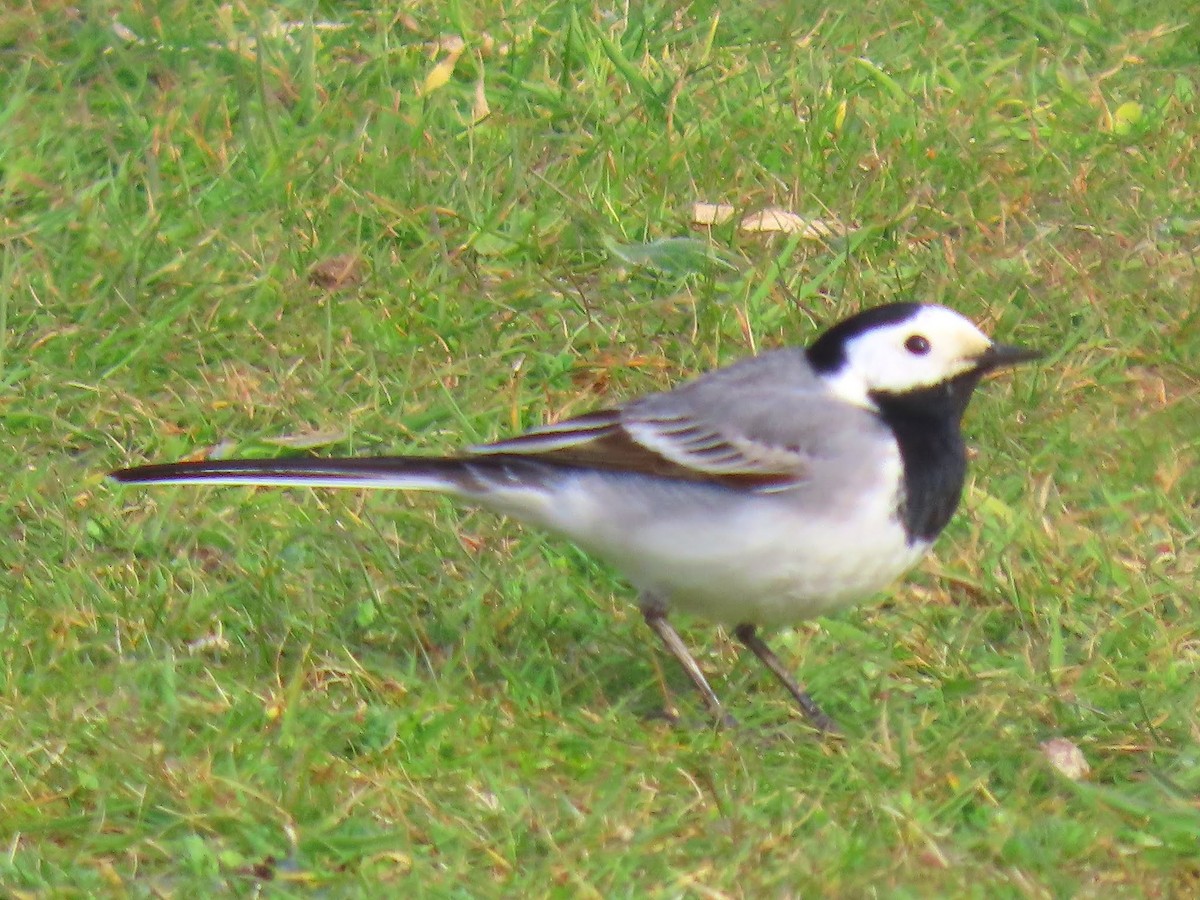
[399, 472]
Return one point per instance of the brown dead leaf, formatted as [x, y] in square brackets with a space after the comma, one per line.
[336, 273]
[473, 544]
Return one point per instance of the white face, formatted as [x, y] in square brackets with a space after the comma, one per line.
[933, 346]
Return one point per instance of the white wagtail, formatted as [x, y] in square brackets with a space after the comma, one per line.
[780, 488]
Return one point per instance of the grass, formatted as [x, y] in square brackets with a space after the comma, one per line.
[218, 236]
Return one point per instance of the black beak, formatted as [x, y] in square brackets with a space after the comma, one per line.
[1001, 356]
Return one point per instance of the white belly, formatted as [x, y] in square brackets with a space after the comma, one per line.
[765, 569]
[764, 559]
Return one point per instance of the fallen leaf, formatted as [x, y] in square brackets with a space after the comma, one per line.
[1126, 117]
[711, 213]
[124, 32]
[1066, 757]
[337, 272]
[781, 220]
[672, 256]
[440, 74]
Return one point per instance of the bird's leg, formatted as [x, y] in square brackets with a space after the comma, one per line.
[748, 635]
[656, 618]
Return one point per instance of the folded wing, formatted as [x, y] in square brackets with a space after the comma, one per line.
[675, 444]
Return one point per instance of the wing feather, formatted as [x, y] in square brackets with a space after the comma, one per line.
[679, 445]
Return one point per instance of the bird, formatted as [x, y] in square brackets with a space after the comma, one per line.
[783, 487]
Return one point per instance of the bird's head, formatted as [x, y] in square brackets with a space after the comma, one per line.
[907, 349]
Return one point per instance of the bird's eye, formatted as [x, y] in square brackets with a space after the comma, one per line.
[917, 345]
